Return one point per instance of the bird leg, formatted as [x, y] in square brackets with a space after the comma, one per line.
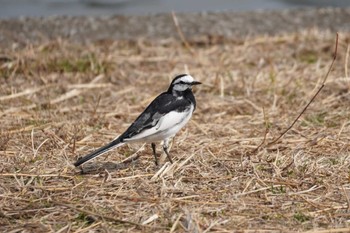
[154, 153]
[165, 148]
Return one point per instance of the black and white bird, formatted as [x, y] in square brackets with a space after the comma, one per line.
[160, 121]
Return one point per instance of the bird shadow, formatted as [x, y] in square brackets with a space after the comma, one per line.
[98, 167]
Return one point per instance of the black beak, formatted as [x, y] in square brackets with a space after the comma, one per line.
[195, 83]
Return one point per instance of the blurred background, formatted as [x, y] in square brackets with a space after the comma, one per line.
[36, 8]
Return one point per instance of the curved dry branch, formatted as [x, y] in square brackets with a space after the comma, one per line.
[307, 105]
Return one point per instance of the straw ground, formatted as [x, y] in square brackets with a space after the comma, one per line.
[60, 100]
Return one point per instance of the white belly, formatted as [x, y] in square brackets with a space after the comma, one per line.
[167, 127]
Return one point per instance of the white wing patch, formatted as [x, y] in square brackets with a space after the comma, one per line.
[167, 126]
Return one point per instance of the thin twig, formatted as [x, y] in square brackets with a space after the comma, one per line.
[335, 230]
[74, 139]
[23, 93]
[173, 228]
[75, 92]
[134, 156]
[68, 95]
[347, 61]
[346, 196]
[34, 175]
[312, 99]
[265, 135]
[179, 31]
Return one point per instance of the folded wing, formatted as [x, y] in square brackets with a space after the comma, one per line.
[158, 117]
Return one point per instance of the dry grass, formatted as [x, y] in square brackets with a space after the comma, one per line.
[60, 100]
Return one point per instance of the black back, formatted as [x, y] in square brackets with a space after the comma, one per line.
[163, 104]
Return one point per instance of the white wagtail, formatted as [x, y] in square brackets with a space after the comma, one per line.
[160, 121]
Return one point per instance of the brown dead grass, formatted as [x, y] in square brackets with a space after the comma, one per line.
[59, 101]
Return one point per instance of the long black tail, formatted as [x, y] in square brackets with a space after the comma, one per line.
[98, 152]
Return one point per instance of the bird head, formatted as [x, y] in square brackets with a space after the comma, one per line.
[183, 82]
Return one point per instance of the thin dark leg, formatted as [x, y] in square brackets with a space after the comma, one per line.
[154, 153]
[165, 148]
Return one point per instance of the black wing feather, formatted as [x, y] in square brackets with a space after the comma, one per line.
[161, 105]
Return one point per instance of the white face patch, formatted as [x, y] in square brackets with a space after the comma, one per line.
[183, 83]
[181, 87]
